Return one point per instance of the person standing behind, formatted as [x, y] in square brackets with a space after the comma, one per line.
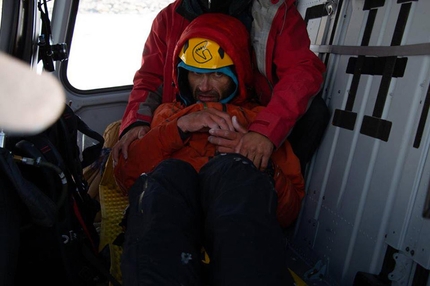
[189, 196]
[289, 75]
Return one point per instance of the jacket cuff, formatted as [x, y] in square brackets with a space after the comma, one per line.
[184, 135]
[135, 124]
[270, 126]
[173, 141]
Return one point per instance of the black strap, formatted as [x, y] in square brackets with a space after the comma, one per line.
[45, 50]
[91, 153]
[99, 265]
[74, 122]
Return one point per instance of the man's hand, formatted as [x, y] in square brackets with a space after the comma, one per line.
[256, 147]
[122, 145]
[204, 120]
[228, 141]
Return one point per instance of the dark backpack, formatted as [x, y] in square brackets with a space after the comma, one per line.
[58, 242]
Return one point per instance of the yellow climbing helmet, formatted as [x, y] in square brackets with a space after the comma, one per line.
[205, 54]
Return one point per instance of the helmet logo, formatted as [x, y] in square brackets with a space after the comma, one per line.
[201, 53]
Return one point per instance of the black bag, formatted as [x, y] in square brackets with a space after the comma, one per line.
[58, 242]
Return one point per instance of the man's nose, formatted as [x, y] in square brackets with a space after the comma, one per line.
[204, 84]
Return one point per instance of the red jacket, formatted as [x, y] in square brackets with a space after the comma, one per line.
[163, 140]
[281, 43]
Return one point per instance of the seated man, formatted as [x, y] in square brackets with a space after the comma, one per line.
[183, 195]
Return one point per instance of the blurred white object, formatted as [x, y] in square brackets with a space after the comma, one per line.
[29, 102]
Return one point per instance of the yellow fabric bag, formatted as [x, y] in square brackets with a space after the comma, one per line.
[113, 204]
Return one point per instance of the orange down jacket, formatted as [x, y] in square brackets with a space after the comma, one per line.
[163, 141]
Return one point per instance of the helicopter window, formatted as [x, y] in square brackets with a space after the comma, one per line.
[108, 40]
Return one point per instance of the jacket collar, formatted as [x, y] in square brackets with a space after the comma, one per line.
[191, 9]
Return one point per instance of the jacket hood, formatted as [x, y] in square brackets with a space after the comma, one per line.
[231, 35]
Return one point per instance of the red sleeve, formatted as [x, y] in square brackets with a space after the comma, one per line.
[145, 81]
[298, 76]
[152, 82]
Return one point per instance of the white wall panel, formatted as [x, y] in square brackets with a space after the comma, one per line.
[366, 193]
